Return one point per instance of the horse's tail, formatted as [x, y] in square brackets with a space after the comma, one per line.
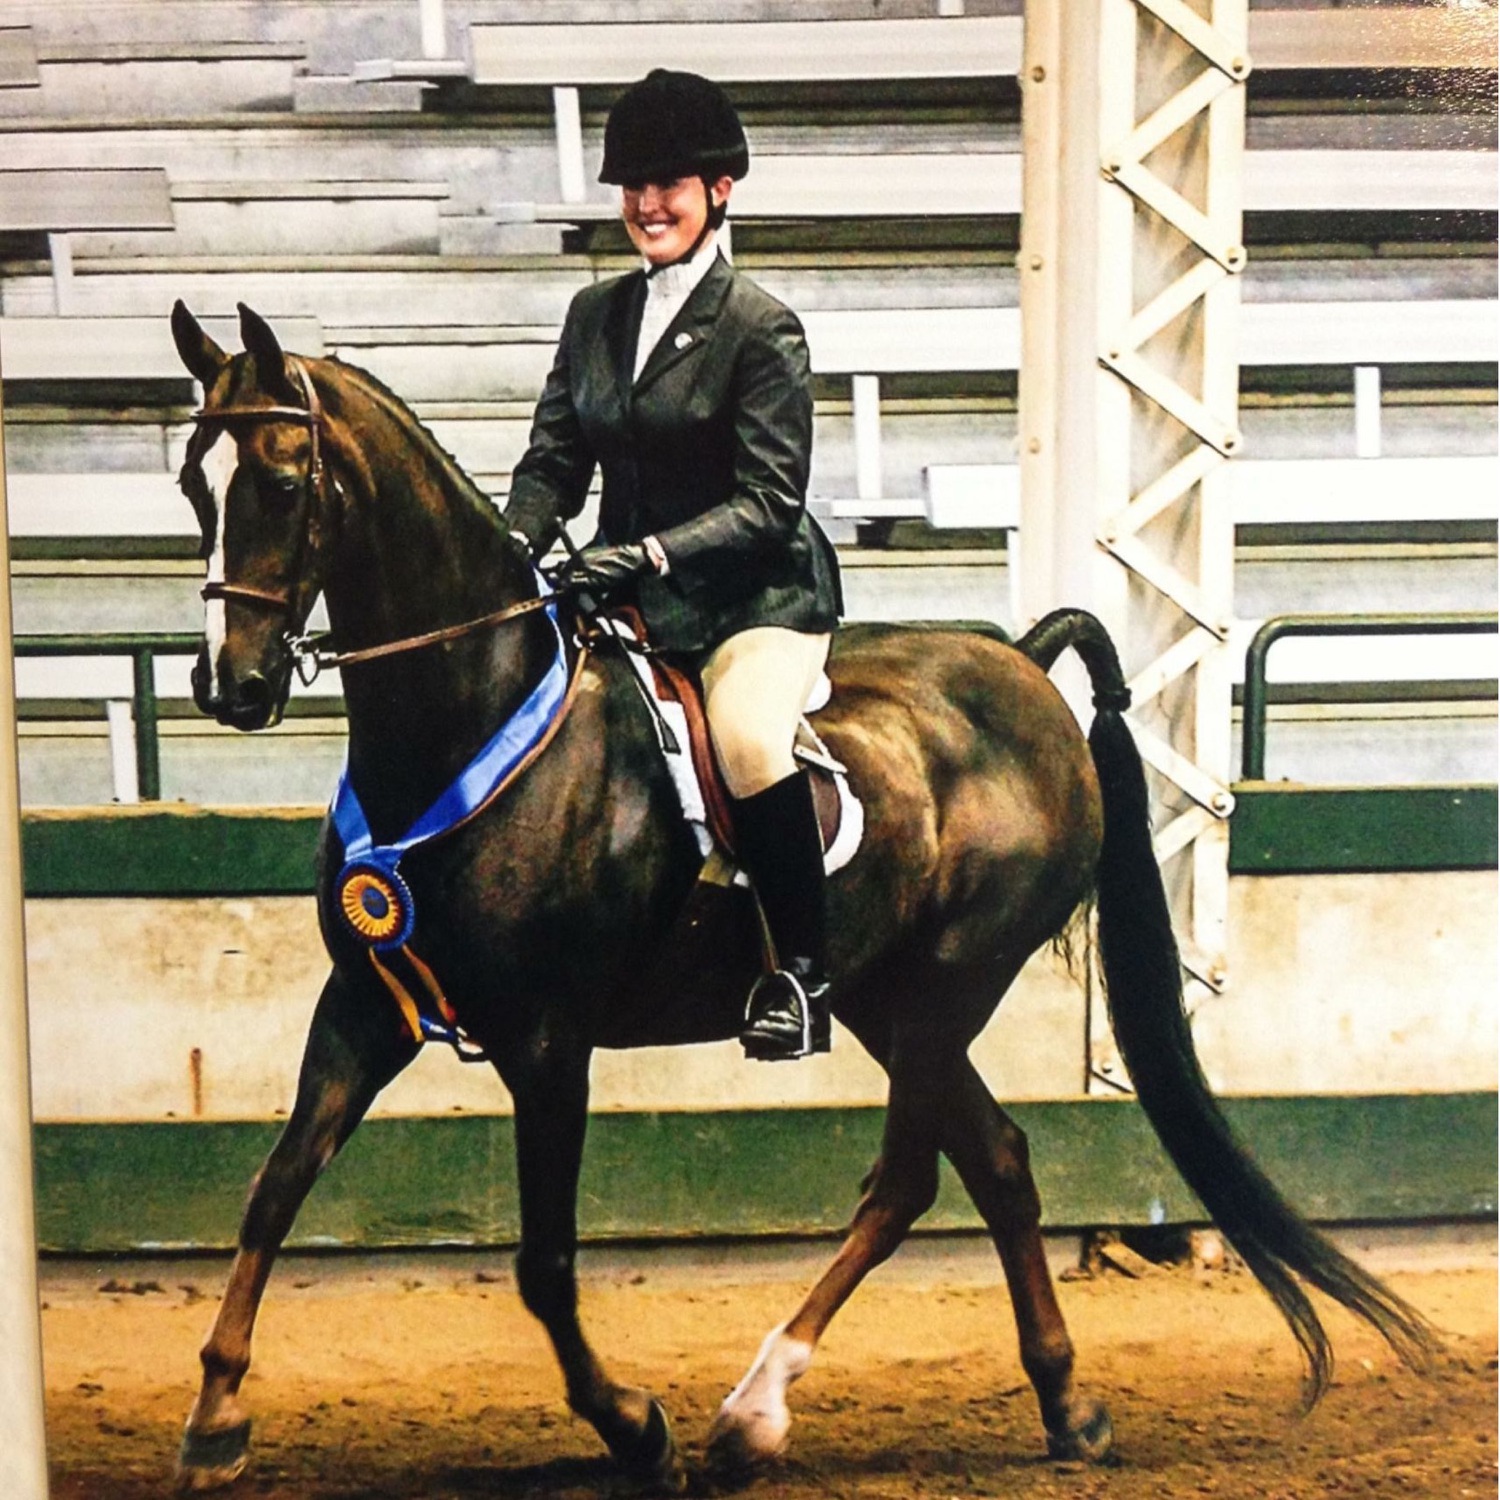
[1143, 978]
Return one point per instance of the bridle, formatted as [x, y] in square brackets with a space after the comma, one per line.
[307, 653]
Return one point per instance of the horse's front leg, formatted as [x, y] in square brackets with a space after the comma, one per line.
[353, 1050]
[550, 1090]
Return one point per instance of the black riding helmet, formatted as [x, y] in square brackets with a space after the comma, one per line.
[672, 125]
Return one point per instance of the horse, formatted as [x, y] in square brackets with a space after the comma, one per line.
[549, 915]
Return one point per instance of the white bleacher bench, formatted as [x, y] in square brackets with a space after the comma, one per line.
[1369, 181]
[933, 184]
[821, 186]
[18, 66]
[1263, 492]
[61, 200]
[1452, 331]
[282, 189]
[610, 53]
[1350, 659]
[122, 348]
[1273, 492]
[1354, 38]
[911, 340]
[65, 198]
[98, 505]
[942, 47]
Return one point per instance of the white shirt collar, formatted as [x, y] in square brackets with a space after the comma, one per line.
[675, 282]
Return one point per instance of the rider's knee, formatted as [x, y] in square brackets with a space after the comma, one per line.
[751, 759]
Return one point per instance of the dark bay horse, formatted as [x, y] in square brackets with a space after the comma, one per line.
[545, 917]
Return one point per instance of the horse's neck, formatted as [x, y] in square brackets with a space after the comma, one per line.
[416, 554]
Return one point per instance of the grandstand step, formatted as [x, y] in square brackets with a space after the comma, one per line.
[18, 65]
[78, 198]
[85, 349]
[859, 50]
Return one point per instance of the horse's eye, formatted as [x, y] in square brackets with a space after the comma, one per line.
[283, 487]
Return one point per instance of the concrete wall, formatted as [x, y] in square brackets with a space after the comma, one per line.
[1341, 984]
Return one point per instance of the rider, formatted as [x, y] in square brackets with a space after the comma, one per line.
[689, 387]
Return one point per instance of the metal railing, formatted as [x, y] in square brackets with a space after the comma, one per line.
[142, 647]
[1253, 753]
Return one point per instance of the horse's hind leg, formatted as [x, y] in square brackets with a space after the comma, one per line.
[990, 1154]
[752, 1423]
[352, 1052]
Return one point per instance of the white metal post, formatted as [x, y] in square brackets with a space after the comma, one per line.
[23, 1445]
[869, 483]
[434, 31]
[1367, 411]
[1133, 129]
[568, 126]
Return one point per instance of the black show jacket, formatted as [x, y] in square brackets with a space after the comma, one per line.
[709, 450]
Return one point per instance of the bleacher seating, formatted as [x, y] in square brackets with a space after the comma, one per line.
[439, 249]
[100, 349]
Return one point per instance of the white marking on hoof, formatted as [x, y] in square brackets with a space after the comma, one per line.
[753, 1421]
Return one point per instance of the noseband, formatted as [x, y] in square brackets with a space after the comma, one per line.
[307, 657]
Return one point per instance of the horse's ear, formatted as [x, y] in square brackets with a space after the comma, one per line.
[265, 349]
[200, 354]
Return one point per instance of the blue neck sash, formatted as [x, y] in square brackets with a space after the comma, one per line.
[370, 894]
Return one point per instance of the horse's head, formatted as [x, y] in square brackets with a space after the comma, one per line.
[267, 510]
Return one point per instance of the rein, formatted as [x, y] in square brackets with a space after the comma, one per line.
[305, 650]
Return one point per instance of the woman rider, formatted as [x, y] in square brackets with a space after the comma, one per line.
[689, 387]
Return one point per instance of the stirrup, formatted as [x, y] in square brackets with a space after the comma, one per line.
[786, 1017]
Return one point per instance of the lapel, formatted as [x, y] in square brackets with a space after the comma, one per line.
[690, 329]
[622, 323]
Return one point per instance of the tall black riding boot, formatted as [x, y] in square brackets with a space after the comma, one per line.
[778, 843]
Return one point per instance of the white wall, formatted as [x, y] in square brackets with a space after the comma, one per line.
[1341, 984]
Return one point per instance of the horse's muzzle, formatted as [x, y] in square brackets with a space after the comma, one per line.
[250, 702]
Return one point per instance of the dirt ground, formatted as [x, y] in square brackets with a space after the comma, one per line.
[423, 1377]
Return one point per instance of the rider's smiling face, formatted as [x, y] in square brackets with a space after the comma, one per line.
[664, 219]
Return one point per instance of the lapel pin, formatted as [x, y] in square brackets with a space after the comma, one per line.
[682, 340]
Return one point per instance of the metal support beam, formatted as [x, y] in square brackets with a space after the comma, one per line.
[23, 1443]
[869, 482]
[568, 124]
[434, 29]
[1367, 411]
[1133, 133]
[60, 249]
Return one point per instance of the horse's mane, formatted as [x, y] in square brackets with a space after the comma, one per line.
[383, 396]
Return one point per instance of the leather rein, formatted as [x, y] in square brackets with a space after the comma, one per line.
[308, 656]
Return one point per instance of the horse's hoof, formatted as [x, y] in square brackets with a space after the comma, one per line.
[1089, 1435]
[212, 1460]
[650, 1465]
[752, 1425]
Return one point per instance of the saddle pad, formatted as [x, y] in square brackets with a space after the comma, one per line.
[700, 789]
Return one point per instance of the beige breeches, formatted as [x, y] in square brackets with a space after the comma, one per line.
[755, 686]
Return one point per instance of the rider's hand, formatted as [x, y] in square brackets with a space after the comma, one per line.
[605, 570]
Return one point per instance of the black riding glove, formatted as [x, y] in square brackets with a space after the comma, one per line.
[603, 570]
[521, 545]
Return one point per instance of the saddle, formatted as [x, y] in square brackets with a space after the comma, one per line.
[688, 752]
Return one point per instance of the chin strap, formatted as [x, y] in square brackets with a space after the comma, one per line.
[709, 227]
